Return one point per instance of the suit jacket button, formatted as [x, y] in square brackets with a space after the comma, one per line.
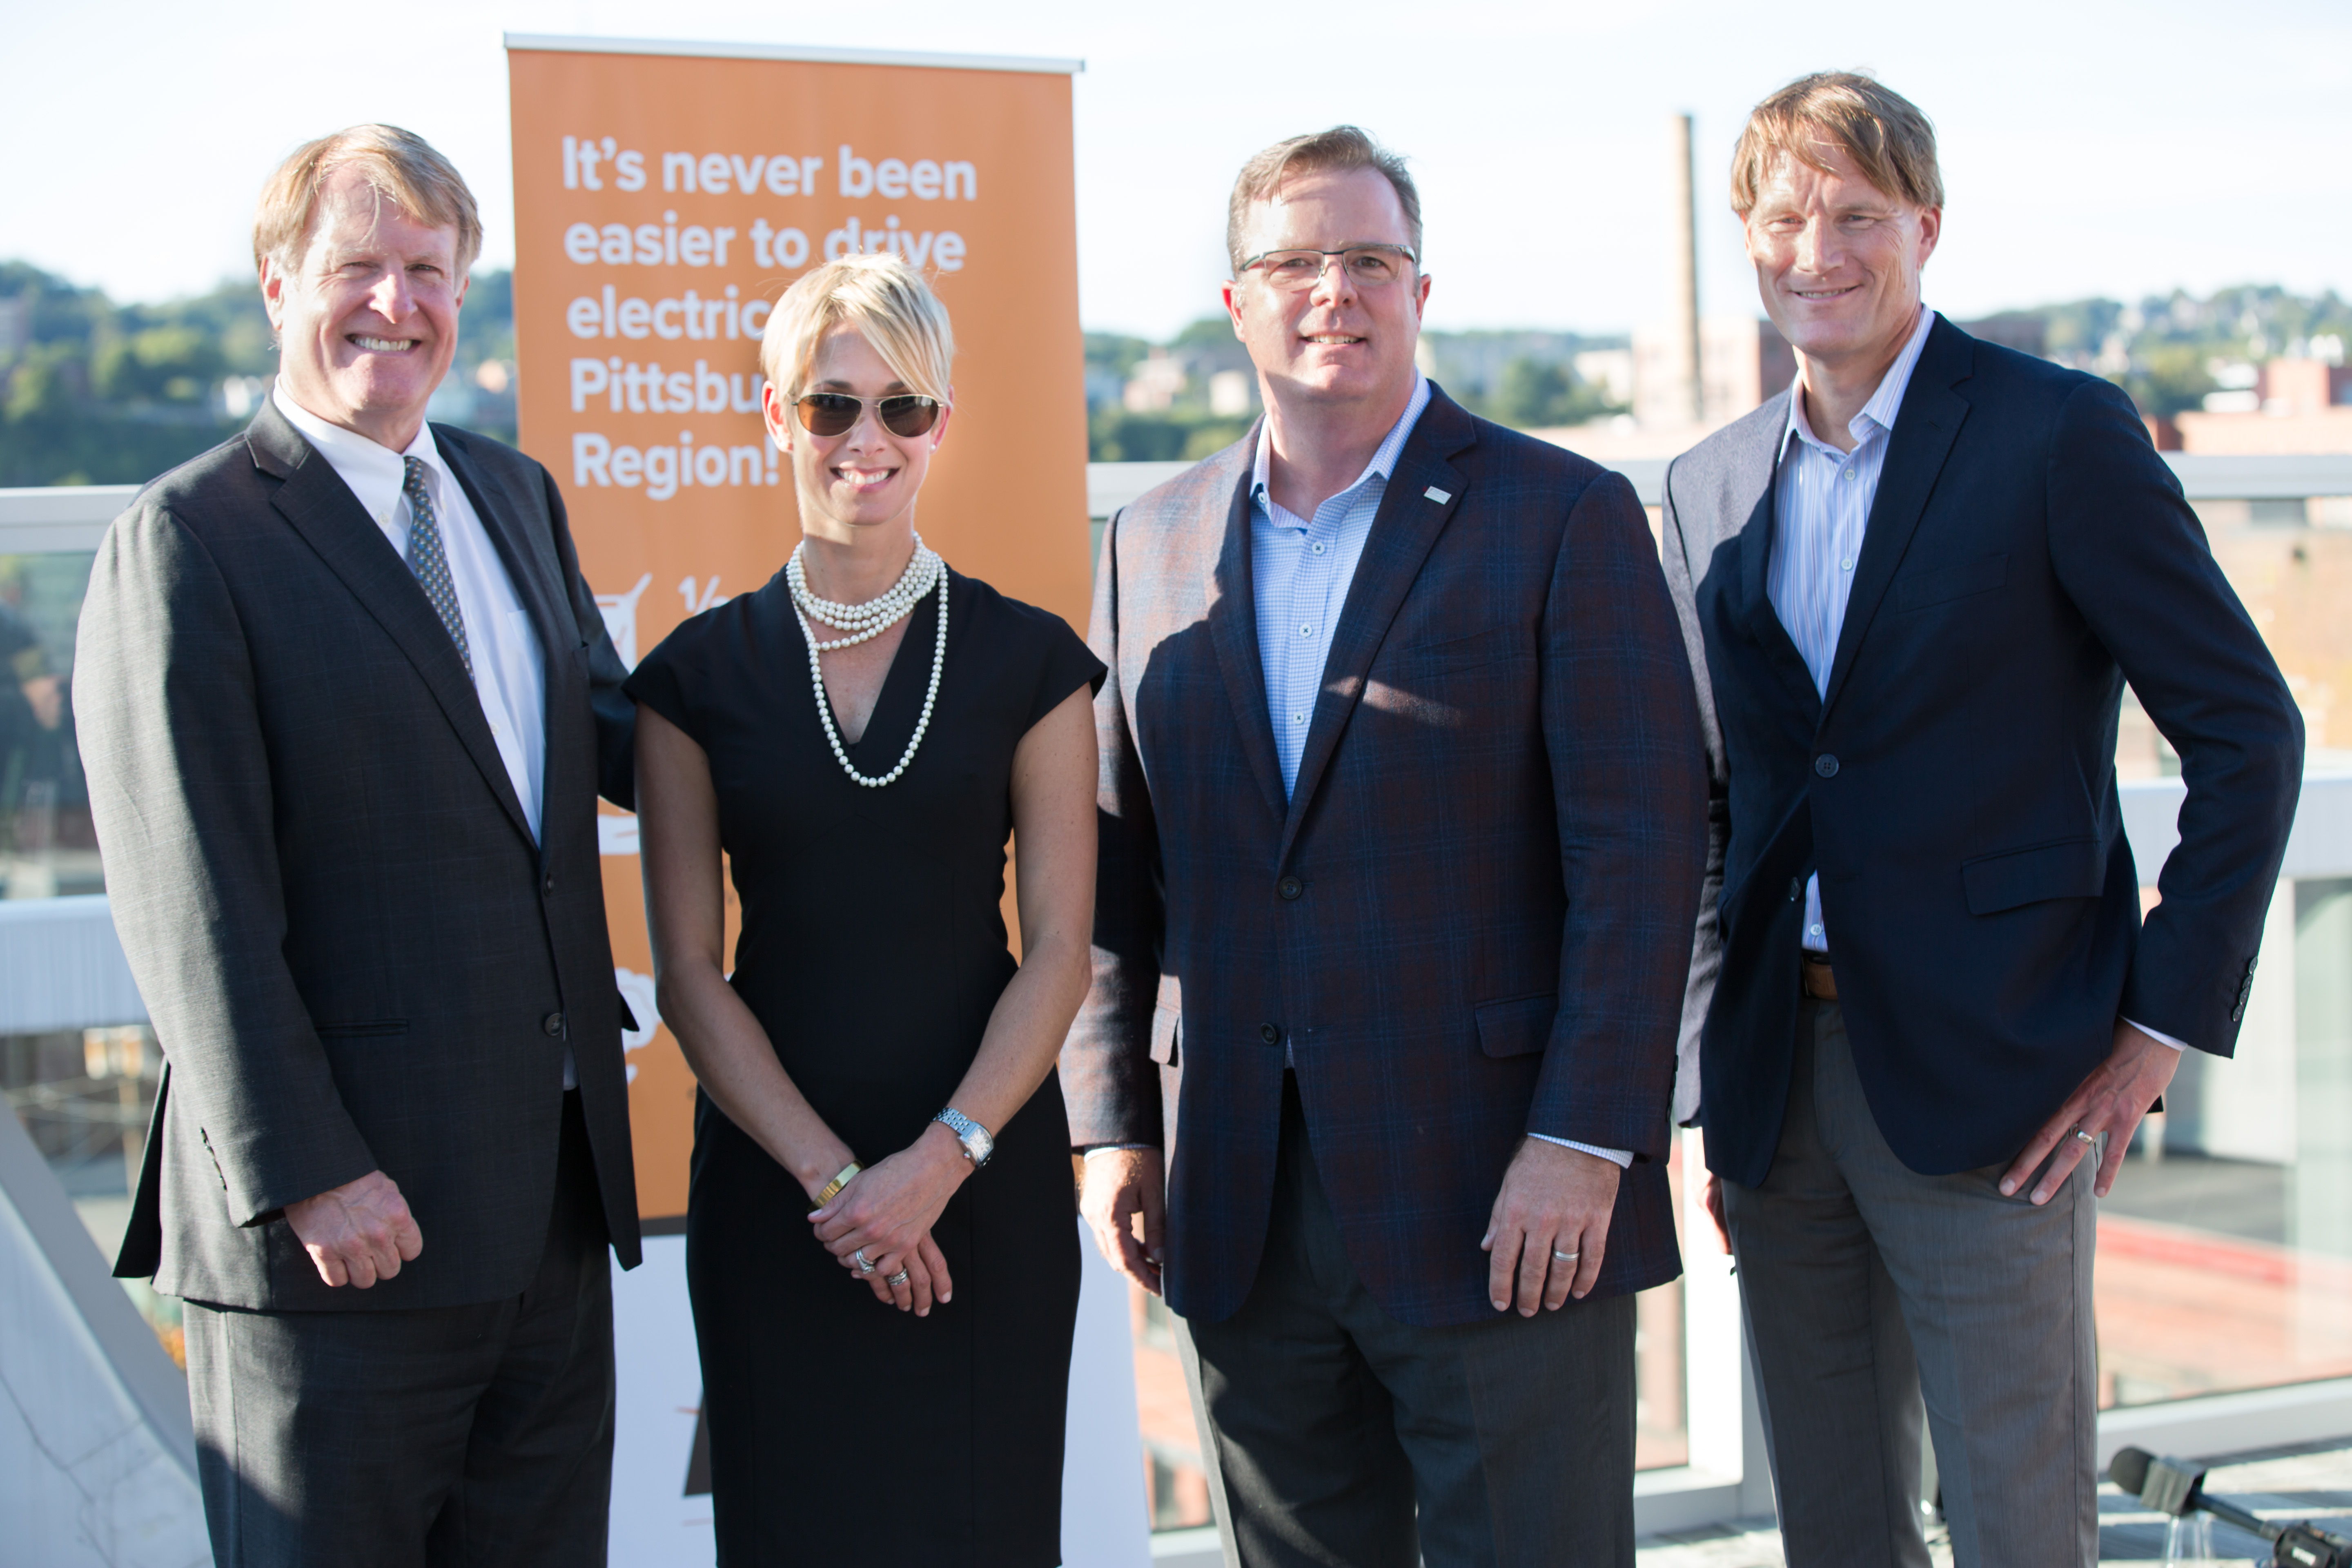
[1825, 765]
[1290, 887]
[552, 1025]
[1270, 1033]
[548, 884]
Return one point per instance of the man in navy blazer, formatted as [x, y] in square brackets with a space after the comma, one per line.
[1915, 586]
[1403, 811]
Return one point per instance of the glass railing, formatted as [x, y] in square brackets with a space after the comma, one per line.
[2225, 1249]
[47, 847]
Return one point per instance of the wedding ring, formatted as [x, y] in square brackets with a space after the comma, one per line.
[2086, 1138]
[1559, 1257]
[858, 1257]
[897, 1278]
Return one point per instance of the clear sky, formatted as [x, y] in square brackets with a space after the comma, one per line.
[2089, 148]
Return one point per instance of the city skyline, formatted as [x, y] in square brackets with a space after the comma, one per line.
[2194, 157]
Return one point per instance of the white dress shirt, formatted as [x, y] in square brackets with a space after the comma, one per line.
[509, 672]
[510, 669]
[1821, 499]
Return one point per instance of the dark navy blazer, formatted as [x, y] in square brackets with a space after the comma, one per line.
[2027, 555]
[1472, 919]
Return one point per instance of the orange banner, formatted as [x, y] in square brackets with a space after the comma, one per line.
[663, 200]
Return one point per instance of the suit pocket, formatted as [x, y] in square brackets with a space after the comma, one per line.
[1935, 584]
[359, 1031]
[1518, 1027]
[1167, 1036]
[2069, 869]
[1464, 651]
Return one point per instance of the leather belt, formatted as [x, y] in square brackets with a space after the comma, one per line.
[1820, 980]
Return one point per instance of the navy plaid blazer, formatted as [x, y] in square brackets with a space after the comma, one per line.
[1472, 919]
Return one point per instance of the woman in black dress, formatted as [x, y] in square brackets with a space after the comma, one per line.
[885, 1350]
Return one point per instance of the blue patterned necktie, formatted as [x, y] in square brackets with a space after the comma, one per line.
[426, 559]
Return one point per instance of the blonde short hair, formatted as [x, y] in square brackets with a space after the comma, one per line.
[1339, 151]
[884, 299]
[1889, 140]
[401, 166]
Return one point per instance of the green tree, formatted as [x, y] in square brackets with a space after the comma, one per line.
[177, 364]
[2168, 378]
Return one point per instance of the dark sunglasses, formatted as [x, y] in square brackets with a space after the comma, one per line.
[835, 413]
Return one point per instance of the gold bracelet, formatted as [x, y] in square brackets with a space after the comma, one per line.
[832, 1188]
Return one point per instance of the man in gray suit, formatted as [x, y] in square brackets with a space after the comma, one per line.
[346, 704]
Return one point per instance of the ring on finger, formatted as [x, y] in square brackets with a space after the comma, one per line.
[859, 1257]
[897, 1278]
[2086, 1137]
[1559, 1257]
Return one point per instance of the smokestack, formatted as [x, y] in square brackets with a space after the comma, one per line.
[1682, 315]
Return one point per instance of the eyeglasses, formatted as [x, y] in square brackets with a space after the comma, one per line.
[1366, 266]
[835, 413]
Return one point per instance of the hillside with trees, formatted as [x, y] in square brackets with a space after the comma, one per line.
[92, 392]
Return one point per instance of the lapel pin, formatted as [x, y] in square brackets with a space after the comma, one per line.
[1439, 496]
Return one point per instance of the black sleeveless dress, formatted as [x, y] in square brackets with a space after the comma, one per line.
[873, 949]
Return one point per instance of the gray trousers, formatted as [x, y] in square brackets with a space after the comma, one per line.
[1336, 1437]
[1867, 1287]
[477, 1435]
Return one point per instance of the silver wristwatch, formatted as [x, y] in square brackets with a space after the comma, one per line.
[976, 1144]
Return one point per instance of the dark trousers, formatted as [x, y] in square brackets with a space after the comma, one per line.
[1868, 1286]
[477, 1435]
[1334, 1434]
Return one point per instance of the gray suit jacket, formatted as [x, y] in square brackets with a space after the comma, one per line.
[355, 957]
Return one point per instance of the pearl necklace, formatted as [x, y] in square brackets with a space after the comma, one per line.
[924, 572]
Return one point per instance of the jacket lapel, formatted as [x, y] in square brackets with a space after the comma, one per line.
[1232, 628]
[1404, 532]
[1925, 428]
[1760, 467]
[529, 561]
[314, 499]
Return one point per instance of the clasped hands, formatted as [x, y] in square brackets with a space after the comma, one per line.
[1554, 1200]
[887, 1212]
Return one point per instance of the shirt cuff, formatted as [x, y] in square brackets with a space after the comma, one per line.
[1094, 1149]
[2158, 1035]
[1621, 1158]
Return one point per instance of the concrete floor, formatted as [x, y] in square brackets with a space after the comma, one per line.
[2313, 1482]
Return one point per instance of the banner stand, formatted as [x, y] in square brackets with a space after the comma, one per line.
[666, 194]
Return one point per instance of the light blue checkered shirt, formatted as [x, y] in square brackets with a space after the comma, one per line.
[1300, 572]
[1301, 569]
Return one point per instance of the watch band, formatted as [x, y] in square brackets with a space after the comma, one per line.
[978, 1144]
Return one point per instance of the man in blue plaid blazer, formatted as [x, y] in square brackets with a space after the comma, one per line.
[1403, 830]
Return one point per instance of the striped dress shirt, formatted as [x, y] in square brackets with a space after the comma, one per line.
[1820, 502]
